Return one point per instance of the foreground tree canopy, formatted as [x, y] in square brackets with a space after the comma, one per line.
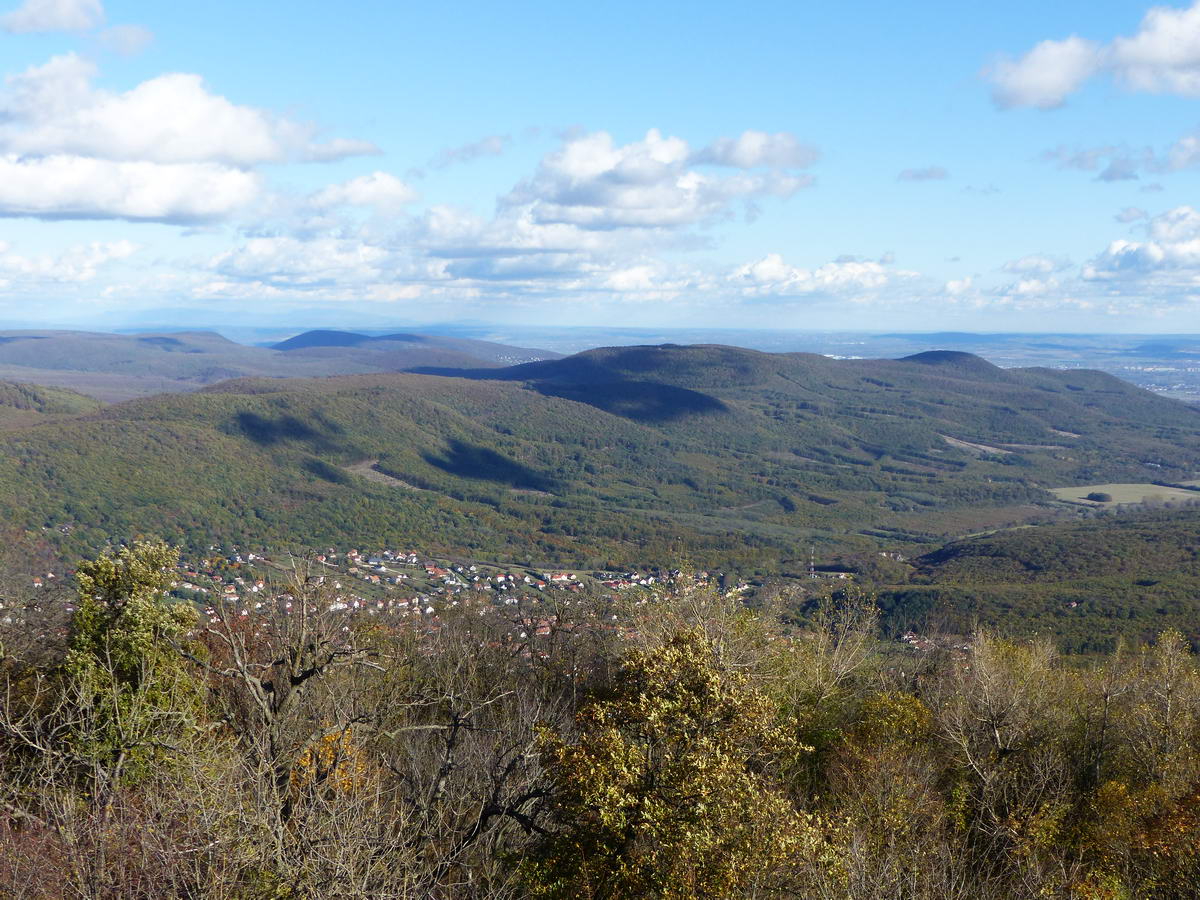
[681, 746]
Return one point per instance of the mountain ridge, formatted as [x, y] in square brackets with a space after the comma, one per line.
[735, 458]
[114, 367]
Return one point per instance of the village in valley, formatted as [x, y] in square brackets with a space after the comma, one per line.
[394, 580]
[229, 583]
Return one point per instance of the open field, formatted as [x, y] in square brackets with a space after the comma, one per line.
[1123, 493]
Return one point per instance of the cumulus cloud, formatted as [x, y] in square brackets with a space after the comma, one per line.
[55, 108]
[1169, 256]
[758, 149]
[1046, 75]
[1162, 56]
[379, 190]
[77, 264]
[772, 276]
[959, 287]
[54, 15]
[592, 222]
[290, 261]
[593, 183]
[168, 150]
[60, 187]
[929, 173]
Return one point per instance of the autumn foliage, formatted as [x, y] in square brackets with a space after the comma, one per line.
[678, 746]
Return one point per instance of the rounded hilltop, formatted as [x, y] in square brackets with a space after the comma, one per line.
[954, 359]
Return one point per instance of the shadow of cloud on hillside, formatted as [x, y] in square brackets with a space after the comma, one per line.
[22, 337]
[639, 400]
[267, 431]
[470, 461]
[169, 344]
[642, 401]
[326, 472]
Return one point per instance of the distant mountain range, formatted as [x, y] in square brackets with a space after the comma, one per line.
[118, 367]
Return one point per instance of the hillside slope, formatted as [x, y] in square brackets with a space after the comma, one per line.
[1085, 584]
[728, 457]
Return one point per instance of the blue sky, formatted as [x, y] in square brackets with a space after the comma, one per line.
[859, 165]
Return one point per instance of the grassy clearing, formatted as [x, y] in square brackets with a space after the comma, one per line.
[1122, 493]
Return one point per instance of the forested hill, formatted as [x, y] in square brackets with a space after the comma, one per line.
[409, 347]
[1086, 584]
[626, 456]
[31, 398]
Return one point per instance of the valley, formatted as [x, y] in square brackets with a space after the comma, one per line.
[709, 457]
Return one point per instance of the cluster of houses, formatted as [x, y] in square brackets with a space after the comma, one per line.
[388, 582]
[400, 584]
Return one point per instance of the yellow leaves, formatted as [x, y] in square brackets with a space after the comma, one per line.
[659, 796]
[894, 716]
[1040, 831]
[335, 762]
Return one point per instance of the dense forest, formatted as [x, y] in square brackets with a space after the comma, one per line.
[1087, 585]
[676, 745]
[737, 460]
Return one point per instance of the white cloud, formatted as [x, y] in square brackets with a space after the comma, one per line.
[929, 173]
[1046, 75]
[1131, 214]
[77, 264]
[592, 183]
[379, 190]
[1036, 264]
[54, 15]
[1163, 56]
[1175, 225]
[1168, 258]
[289, 261]
[960, 286]
[772, 276]
[1183, 154]
[79, 187]
[1030, 287]
[590, 224]
[54, 108]
[758, 149]
[167, 150]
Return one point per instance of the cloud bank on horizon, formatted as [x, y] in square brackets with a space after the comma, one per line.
[127, 184]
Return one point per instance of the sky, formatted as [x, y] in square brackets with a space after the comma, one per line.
[861, 165]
